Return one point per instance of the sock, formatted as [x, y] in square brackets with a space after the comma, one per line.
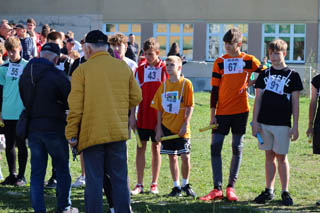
[176, 183]
[230, 185]
[270, 191]
[283, 191]
[219, 188]
[184, 182]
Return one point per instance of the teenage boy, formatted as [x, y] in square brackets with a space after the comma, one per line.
[314, 116]
[174, 102]
[12, 107]
[277, 98]
[229, 109]
[149, 76]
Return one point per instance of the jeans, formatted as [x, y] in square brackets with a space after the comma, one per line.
[55, 144]
[110, 158]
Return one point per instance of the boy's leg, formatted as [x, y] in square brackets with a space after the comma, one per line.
[216, 162]
[270, 169]
[237, 146]
[156, 161]
[185, 166]
[284, 171]
[9, 132]
[141, 161]
[174, 167]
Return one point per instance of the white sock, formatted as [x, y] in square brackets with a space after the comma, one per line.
[184, 182]
[176, 183]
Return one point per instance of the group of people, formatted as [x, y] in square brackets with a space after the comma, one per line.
[93, 101]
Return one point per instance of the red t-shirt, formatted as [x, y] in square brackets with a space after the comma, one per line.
[149, 79]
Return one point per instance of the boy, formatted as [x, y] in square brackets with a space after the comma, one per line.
[174, 102]
[149, 76]
[229, 109]
[277, 98]
[12, 107]
[314, 117]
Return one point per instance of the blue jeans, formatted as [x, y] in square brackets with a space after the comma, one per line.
[55, 144]
[112, 159]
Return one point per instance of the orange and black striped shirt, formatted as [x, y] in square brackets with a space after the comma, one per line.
[232, 96]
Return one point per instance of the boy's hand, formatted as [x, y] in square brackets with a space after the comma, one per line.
[309, 131]
[133, 122]
[183, 129]
[293, 134]
[159, 133]
[255, 128]
[213, 120]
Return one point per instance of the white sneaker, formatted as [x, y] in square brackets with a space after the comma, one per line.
[81, 181]
[137, 190]
[71, 210]
[112, 210]
[1, 176]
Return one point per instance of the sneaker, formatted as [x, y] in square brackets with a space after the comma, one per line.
[214, 194]
[231, 194]
[176, 192]
[286, 199]
[188, 190]
[318, 203]
[154, 188]
[52, 184]
[71, 210]
[10, 180]
[21, 182]
[137, 190]
[263, 197]
[81, 181]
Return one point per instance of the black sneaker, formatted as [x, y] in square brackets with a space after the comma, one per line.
[21, 182]
[263, 197]
[10, 180]
[188, 190]
[286, 199]
[318, 203]
[176, 192]
[52, 184]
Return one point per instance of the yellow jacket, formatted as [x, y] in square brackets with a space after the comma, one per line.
[102, 91]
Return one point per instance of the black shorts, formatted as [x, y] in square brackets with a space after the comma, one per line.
[176, 146]
[237, 123]
[146, 134]
[316, 139]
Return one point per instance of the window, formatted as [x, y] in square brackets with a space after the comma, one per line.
[126, 29]
[293, 34]
[166, 34]
[214, 42]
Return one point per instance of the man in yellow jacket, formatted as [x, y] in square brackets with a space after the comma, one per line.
[102, 91]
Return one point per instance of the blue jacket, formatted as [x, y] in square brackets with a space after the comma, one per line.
[48, 111]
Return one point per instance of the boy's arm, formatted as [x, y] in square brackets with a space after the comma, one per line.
[132, 119]
[294, 133]
[187, 118]
[213, 104]
[256, 110]
[159, 133]
[312, 110]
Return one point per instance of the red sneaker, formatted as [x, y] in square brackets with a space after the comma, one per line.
[231, 194]
[154, 188]
[137, 190]
[214, 194]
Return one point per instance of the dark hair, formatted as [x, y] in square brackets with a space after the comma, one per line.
[32, 21]
[151, 43]
[277, 45]
[233, 35]
[173, 49]
[54, 36]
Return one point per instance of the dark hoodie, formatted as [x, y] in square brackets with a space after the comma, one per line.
[50, 102]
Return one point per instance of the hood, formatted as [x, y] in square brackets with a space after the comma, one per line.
[38, 66]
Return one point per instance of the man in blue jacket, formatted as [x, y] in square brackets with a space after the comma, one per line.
[44, 90]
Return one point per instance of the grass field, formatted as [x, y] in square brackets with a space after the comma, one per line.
[303, 183]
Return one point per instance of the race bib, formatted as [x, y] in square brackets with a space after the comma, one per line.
[233, 65]
[171, 102]
[152, 74]
[276, 85]
[15, 70]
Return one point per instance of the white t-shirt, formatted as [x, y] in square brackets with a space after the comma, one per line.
[132, 64]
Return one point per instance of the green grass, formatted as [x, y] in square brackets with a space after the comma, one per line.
[304, 181]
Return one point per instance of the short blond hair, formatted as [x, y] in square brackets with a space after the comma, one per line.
[12, 42]
[278, 45]
[174, 59]
[74, 54]
[118, 38]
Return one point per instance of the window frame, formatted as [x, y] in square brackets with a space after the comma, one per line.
[292, 35]
[220, 34]
[104, 30]
[180, 34]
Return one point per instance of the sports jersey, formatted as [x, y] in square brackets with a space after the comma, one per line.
[181, 90]
[149, 79]
[276, 103]
[316, 83]
[12, 105]
[231, 76]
